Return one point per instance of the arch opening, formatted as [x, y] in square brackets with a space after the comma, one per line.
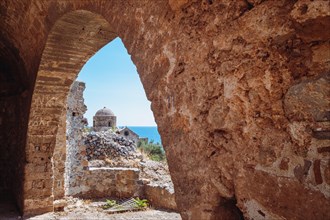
[74, 38]
[105, 147]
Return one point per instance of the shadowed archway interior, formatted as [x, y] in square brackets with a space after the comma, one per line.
[13, 113]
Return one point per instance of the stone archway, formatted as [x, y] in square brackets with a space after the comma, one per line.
[223, 75]
[75, 37]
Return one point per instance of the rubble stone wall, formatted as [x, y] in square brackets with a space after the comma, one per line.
[103, 145]
[76, 161]
[105, 182]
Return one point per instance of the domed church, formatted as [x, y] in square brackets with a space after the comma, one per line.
[104, 119]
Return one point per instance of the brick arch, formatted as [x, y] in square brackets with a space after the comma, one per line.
[74, 38]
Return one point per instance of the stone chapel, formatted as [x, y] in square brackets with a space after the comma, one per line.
[104, 119]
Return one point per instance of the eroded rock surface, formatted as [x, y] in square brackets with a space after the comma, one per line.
[233, 86]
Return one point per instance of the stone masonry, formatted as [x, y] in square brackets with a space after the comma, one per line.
[75, 160]
[104, 119]
[239, 90]
[107, 144]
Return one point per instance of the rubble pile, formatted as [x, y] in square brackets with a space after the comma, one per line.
[106, 145]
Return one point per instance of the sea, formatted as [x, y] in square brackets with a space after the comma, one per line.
[149, 132]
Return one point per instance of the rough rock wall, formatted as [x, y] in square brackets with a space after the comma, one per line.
[222, 78]
[245, 113]
[75, 158]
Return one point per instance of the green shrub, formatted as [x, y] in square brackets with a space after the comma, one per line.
[110, 203]
[153, 150]
[140, 203]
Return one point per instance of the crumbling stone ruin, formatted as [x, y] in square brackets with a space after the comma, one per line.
[239, 90]
[107, 144]
[131, 135]
[103, 164]
[75, 122]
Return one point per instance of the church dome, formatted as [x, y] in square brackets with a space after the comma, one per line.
[104, 112]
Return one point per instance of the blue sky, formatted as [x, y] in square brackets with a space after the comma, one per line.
[112, 81]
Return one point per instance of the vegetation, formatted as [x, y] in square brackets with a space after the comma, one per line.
[153, 150]
[140, 203]
[87, 129]
[110, 203]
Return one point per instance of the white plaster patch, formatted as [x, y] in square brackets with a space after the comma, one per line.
[171, 58]
[268, 80]
[230, 84]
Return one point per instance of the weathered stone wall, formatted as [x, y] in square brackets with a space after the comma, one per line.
[160, 197]
[104, 122]
[221, 76]
[101, 182]
[101, 145]
[76, 161]
[59, 159]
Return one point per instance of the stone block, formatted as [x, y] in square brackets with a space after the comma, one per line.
[59, 205]
[160, 197]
